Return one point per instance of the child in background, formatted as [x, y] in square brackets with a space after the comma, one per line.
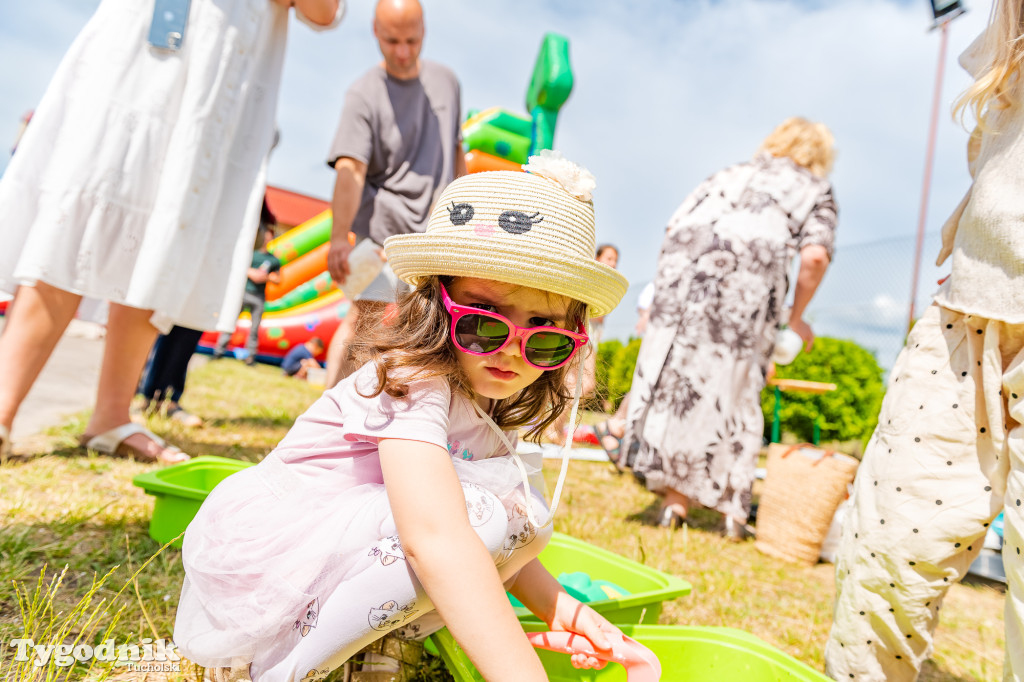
[948, 453]
[265, 267]
[609, 255]
[399, 491]
[299, 360]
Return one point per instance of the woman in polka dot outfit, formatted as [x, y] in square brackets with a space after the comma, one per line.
[948, 453]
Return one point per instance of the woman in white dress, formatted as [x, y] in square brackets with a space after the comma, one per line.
[139, 181]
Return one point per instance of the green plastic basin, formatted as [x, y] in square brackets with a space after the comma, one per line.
[180, 490]
[648, 587]
[690, 654]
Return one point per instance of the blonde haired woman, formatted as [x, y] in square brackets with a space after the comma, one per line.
[948, 454]
[694, 425]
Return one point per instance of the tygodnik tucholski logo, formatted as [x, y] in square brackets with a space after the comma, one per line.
[149, 655]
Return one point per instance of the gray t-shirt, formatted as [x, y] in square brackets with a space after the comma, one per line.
[405, 131]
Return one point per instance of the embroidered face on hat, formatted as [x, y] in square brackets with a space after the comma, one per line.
[535, 229]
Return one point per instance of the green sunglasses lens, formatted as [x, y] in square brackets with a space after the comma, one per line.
[547, 349]
[480, 334]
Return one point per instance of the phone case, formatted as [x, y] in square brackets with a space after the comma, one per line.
[167, 29]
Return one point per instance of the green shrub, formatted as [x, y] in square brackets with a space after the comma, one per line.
[615, 363]
[848, 413]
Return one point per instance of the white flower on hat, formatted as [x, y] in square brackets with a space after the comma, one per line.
[574, 179]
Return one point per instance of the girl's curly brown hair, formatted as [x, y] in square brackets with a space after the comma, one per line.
[413, 344]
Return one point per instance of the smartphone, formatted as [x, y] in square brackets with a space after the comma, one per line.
[167, 29]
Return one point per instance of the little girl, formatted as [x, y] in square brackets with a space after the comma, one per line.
[399, 491]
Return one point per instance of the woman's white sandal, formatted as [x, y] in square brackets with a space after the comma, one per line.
[112, 442]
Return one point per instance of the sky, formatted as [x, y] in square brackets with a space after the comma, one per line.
[666, 93]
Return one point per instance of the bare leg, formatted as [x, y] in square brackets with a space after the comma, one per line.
[36, 320]
[677, 502]
[616, 425]
[129, 338]
[338, 361]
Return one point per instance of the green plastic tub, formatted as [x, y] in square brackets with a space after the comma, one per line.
[180, 490]
[648, 588]
[687, 654]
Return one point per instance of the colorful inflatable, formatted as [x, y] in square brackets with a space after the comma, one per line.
[304, 304]
[498, 139]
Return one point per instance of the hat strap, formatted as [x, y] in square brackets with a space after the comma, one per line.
[567, 446]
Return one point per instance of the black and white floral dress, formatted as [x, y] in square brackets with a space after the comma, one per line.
[694, 423]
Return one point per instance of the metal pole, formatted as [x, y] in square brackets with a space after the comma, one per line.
[929, 158]
[776, 418]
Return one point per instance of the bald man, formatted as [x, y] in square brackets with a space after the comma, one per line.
[397, 146]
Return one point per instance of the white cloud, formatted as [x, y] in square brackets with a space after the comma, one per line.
[666, 93]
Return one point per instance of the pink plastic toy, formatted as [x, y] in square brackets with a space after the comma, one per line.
[640, 662]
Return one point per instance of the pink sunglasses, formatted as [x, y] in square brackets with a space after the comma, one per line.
[481, 332]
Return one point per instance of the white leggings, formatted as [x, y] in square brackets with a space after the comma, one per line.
[388, 595]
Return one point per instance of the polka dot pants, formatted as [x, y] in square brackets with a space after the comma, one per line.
[946, 458]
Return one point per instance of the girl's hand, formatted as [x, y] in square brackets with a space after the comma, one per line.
[571, 615]
[287, 4]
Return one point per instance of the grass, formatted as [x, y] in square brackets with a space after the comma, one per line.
[72, 513]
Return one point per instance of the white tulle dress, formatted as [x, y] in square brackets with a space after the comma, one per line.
[271, 539]
[141, 176]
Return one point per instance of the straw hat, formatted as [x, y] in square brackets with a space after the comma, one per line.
[535, 229]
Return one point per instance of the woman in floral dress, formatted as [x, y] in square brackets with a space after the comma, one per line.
[694, 426]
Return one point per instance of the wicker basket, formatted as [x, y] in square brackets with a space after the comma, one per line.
[802, 490]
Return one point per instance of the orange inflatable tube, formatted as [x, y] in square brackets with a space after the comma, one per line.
[477, 161]
[300, 270]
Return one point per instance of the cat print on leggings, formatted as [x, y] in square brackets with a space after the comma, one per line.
[390, 615]
[315, 675]
[388, 550]
[308, 620]
[479, 504]
[520, 531]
